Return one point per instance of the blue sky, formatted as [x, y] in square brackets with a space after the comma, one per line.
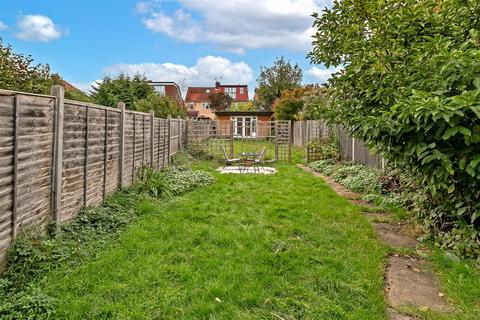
[191, 42]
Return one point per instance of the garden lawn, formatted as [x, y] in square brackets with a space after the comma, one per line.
[280, 246]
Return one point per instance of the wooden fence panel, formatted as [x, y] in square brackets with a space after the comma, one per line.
[74, 146]
[96, 156]
[129, 147]
[351, 149]
[50, 146]
[7, 120]
[113, 152]
[35, 141]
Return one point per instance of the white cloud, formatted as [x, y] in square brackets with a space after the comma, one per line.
[3, 26]
[237, 25]
[38, 28]
[86, 86]
[321, 75]
[203, 73]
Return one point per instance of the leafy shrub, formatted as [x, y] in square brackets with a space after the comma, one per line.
[323, 166]
[357, 178]
[173, 181]
[416, 100]
[327, 147]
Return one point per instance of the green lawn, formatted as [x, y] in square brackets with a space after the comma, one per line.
[247, 247]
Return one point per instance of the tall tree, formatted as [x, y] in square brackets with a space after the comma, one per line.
[289, 104]
[220, 101]
[122, 88]
[19, 73]
[162, 106]
[275, 79]
[410, 87]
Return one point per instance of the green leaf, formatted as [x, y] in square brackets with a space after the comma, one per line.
[450, 132]
[461, 211]
[451, 188]
[476, 110]
[476, 82]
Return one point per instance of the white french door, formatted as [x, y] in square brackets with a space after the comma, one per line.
[245, 126]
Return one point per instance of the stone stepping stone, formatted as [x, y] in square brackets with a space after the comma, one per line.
[391, 235]
[410, 283]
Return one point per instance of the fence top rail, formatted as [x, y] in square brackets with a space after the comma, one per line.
[12, 93]
[91, 105]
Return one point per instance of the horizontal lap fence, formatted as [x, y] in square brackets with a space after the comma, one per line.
[237, 137]
[352, 149]
[58, 156]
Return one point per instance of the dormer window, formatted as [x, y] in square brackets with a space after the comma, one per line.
[232, 92]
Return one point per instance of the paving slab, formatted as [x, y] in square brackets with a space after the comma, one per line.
[410, 283]
[391, 235]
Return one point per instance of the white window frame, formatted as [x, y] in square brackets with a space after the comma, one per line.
[160, 90]
[231, 91]
[242, 91]
[240, 131]
[206, 105]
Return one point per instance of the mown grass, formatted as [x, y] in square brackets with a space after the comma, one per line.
[247, 247]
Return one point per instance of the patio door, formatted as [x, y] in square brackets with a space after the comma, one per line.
[245, 127]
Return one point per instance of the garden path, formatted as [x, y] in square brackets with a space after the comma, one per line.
[409, 279]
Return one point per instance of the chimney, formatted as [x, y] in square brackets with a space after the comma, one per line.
[217, 84]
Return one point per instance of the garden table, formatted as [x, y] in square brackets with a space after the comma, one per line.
[248, 160]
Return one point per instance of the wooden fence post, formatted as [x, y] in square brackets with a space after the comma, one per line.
[134, 146]
[152, 136]
[85, 162]
[143, 142]
[16, 115]
[179, 133]
[121, 161]
[169, 122]
[353, 149]
[187, 127]
[158, 143]
[276, 140]
[59, 93]
[232, 128]
[290, 139]
[105, 157]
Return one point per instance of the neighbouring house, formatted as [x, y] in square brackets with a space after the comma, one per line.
[197, 98]
[170, 89]
[246, 124]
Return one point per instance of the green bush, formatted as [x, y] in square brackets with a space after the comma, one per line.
[173, 180]
[410, 87]
[327, 147]
[357, 178]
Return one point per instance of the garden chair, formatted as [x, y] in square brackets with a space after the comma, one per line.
[228, 161]
[260, 159]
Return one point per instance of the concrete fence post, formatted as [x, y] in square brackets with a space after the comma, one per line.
[152, 135]
[59, 93]
[121, 160]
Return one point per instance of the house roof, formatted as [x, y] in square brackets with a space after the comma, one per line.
[243, 113]
[199, 94]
